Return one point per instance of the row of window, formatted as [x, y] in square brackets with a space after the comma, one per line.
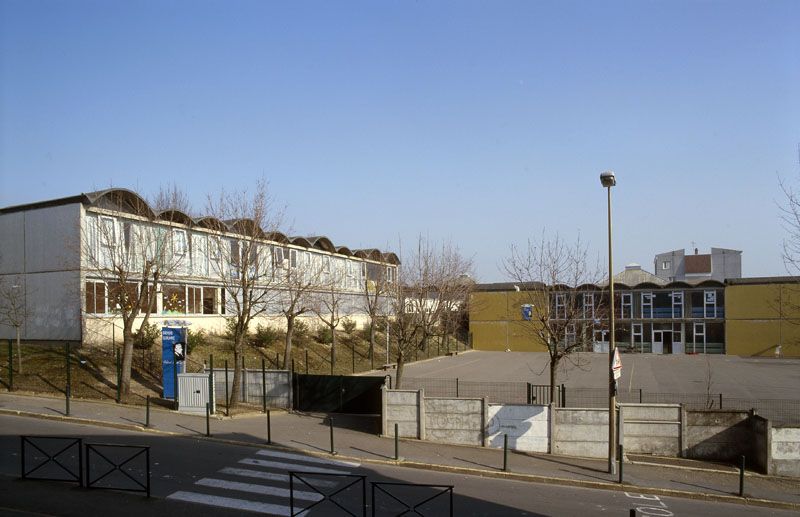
[175, 299]
[200, 254]
[662, 305]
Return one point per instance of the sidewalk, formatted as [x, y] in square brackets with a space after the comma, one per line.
[311, 433]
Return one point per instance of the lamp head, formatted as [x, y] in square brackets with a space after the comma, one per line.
[608, 179]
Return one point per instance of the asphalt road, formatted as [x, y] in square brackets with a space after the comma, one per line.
[735, 377]
[226, 479]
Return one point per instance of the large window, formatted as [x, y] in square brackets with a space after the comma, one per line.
[210, 300]
[194, 300]
[588, 305]
[122, 296]
[677, 304]
[647, 305]
[561, 306]
[95, 298]
[626, 305]
[174, 299]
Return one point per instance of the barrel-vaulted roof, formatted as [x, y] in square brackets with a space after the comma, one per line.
[128, 201]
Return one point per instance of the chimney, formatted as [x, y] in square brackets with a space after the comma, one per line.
[695, 251]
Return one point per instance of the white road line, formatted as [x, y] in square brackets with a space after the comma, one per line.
[258, 489]
[307, 459]
[290, 466]
[230, 502]
[268, 475]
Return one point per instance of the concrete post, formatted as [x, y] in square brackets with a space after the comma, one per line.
[683, 433]
[551, 424]
[421, 414]
[384, 407]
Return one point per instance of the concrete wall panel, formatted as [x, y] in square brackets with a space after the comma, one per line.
[527, 427]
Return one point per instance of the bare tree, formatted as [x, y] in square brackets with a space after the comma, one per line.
[330, 298]
[243, 262]
[301, 275]
[430, 283]
[555, 312]
[13, 309]
[375, 290]
[131, 255]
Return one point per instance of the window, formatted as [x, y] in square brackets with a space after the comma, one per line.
[277, 257]
[326, 264]
[570, 333]
[210, 300]
[95, 298]
[108, 234]
[363, 270]
[561, 306]
[194, 300]
[627, 305]
[638, 334]
[665, 264]
[390, 272]
[179, 246]
[174, 299]
[235, 258]
[588, 305]
[122, 296]
[293, 258]
[647, 305]
[126, 234]
[677, 304]
[710, 304]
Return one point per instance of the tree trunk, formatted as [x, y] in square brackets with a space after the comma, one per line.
[333, 346]
[398, 377]
[127, 362]
[19, 353]
[371, 338]
[553, 373]
[237, 369]
[287, 351]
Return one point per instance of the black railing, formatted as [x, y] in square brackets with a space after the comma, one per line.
[334, 506]
[40, 449]
[122, 465]
[411, 492]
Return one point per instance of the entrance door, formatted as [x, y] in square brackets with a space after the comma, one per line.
[658, 342]
[667, 338]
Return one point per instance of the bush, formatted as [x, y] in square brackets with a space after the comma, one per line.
[196, 338]
[300, 329]
[230, 329]
[348, 325]
[324, 335]
[147, 337]
[265, 336]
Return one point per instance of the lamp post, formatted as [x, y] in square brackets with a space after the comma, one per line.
[608, 180]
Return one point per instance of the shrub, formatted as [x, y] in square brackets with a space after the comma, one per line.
[230, 329]
[300, 329]
[147, 337]
[265, 336]
[348, 325]
[195, 338]
[324, 335]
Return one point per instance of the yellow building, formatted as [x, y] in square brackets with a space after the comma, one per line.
[762, 316]
[744, 317]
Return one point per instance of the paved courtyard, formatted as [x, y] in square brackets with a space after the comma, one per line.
[735, 377]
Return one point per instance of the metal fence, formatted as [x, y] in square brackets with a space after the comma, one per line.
[778, 411]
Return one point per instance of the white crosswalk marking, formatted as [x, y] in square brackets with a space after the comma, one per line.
[231, 471]
[291, 466]
[258, 489]
[268, 488]
[230, 502]
[305, 459]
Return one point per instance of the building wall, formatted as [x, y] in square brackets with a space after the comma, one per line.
[760, 317]
[495, 322]
[40, 254]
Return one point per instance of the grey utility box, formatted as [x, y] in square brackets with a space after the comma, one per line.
[193, 393]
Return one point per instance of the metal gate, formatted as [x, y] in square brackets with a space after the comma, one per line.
[338, 394]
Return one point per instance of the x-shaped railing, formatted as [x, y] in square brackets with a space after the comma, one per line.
[34, 442]
[412, 509]
[304, 477]
[93, 450]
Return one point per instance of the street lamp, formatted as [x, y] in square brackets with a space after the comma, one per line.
[608, 180]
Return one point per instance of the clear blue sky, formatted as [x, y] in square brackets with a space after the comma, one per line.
[479, 122]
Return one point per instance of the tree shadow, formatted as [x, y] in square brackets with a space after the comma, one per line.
[373, 453]
[492, 467]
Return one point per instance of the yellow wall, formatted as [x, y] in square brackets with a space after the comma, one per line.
[495, 322]
[759, 317]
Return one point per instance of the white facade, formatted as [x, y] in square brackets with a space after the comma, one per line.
[59, 255]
